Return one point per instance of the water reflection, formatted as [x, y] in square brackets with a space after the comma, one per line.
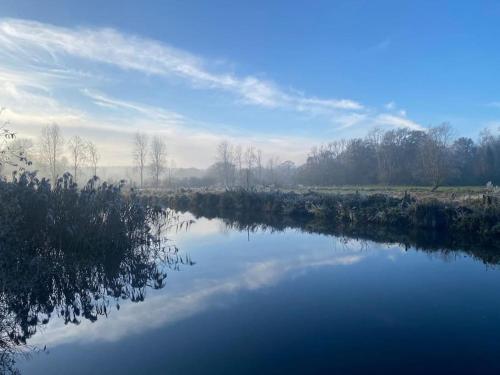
[446, 245]
[40, 282]
[247, 268]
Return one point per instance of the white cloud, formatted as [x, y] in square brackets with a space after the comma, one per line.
[390, 106]
[397, 117]
[189, 142]
[27, 99]
[41, 82]
[166, 309]
[350, 120]
[149, 111]
[38, 42]
[397, 121]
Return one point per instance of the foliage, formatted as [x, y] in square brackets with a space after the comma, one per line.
[405, 213]
[73, 253]
[405, 157]
[9, 154]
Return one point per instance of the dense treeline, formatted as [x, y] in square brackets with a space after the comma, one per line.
[431, 157]
[396, 157]
[406, 157]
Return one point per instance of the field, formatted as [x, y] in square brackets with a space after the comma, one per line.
[448, 193]
[457, 194]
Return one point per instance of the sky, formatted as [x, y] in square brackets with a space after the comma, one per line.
[280, 75]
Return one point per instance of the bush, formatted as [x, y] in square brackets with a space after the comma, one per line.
[69, 252]
[376, 209]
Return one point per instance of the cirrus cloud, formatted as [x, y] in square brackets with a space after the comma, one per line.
[60, 74]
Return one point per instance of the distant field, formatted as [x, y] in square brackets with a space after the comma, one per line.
[445, 192]
[448, 193]
[396, 189]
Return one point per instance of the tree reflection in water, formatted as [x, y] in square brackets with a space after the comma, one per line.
[483, 248]
[74, 255]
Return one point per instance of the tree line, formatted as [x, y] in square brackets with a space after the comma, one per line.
[51, 155]
[402, 156]
[152, 154]
[246, 168]
[406, 157]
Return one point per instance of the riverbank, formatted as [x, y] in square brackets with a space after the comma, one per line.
[475, 217]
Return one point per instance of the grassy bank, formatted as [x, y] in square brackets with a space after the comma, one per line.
[476, 217]
[444, 193]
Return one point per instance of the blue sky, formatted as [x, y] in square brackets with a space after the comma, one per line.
[282, 75]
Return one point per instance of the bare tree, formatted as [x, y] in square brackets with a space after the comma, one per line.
[375, 138]
[225, 158]
[158, 158]
[435, 156]
[171, 170]
[18, 153]
[5, 150]
[260, 168]
[272, 164]
[249, 161]
[238, 159]
[51, 142]
[22, 146]
[94, 156]
[140, 153]
[78, 152]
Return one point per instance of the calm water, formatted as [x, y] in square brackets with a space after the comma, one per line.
[290, 302]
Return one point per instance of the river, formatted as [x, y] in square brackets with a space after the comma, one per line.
[264, 301]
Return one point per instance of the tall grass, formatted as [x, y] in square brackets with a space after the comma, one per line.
[406, 212]
[75, 254]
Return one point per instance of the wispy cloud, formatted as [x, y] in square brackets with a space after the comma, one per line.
[56, 74]
[390, 106]
[27, 98]
[149, 111]
[351, 120]
[34, 42]
[397, 121]
[29, 107]
[196, 296]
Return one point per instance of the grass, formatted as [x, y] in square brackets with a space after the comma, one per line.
[452, 194]
[475, 215]
[458, 193]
